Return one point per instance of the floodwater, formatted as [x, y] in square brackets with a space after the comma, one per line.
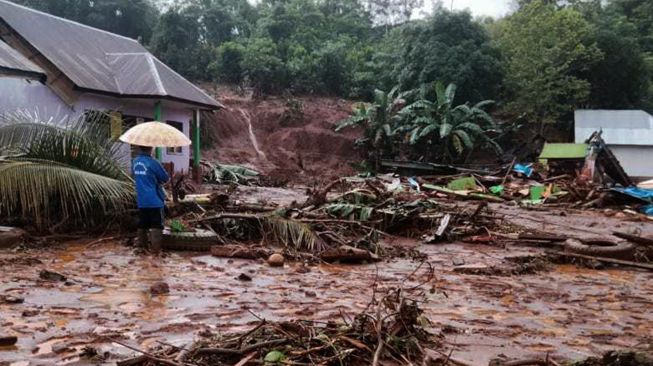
[568, 312]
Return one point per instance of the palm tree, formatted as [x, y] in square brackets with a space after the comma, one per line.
[59, 172]
[378, 120]
[450, 130]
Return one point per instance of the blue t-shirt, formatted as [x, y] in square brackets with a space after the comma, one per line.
[149, 176]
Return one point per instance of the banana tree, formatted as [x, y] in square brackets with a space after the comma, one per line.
[52, 173]
[379, 122]
[449, 131]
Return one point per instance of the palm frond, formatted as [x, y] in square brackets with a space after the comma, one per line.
[350, 211]
[43, 191]
[82, 144]
[295, 234]
[470, 127]
[484, 103]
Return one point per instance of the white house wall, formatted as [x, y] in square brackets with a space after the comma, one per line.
[636, 160]
[620, 127]
[35, 98]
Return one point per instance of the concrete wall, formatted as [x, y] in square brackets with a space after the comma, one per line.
[35, 98]
[636, 160]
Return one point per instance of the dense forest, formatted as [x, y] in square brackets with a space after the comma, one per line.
[538, 63]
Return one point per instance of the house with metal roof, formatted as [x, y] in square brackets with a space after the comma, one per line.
[628, 134]
[58, 69]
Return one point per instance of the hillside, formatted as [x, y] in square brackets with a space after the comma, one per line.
[286, 138]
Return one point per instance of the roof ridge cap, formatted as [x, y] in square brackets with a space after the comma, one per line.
[157, 77]
[188, 81]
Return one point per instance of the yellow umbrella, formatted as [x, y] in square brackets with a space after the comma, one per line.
[155, 134]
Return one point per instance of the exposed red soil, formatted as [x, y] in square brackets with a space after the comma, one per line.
[295, 144]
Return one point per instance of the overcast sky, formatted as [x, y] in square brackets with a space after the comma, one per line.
[494, 8]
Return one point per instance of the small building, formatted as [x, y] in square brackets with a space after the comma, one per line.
[628, 134]
[57, 70]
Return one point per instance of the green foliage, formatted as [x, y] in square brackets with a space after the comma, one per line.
[378, 122]
[621, 80]
[448, 131]
[544, 48]
[50, 173]
[263, 67]
[176, 226]
[274, 357]
[130, 18]
[224, 173]
[541, 62]
[446, 46]
[227, 68]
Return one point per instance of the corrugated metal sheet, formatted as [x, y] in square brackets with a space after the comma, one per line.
[563, 151]
[620, 127]
[10, 60]
[98, 60]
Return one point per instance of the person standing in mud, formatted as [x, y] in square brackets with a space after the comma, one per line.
[149, 176]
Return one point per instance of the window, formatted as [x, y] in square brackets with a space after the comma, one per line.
[180, 127]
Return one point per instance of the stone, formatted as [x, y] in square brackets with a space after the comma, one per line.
[244, 277]
[51, 276]
[458, 261]
[276, 260]
[159, 288]
[29, 313]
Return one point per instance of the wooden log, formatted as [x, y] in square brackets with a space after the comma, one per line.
[634, 238]
[609, 260]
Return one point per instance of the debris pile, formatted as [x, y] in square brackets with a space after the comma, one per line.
[344, 221]
[390, 329]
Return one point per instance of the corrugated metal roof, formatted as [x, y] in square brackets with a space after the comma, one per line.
[620, 127]
[97, 60]
[12, 60]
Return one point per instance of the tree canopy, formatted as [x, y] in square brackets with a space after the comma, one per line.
[539, 63]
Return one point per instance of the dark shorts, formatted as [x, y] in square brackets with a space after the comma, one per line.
[150, 218]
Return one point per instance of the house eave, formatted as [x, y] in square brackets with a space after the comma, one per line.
[199, 105]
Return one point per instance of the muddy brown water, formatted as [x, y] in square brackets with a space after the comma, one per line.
[568, 312]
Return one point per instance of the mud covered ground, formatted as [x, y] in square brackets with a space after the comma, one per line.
[567, 311]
